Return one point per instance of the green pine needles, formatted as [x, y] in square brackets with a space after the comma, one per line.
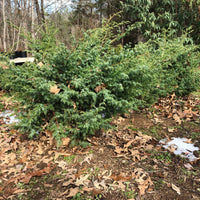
[76, 91]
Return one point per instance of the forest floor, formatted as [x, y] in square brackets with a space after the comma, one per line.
[127, 162]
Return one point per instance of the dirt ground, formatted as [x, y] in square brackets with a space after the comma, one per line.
[124, 163]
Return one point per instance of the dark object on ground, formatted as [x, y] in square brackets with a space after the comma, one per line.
[18, 54]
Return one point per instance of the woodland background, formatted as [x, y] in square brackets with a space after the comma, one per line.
[21, 18]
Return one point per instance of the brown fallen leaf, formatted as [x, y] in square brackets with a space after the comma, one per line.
[120, 119]
[67, 183]
[74, 105]
[177, 118]
[12, 156]
[57, 154]
[100, 185]
[188, 113]
[73, 192]
[96, 192]
[129, 143]
[172, 96]
[26, 178]
[188, 166]
[118, 149]
[157, 120]
[121, 185]
[19, 191]
[80, 172]
[177, 189]
[23, 159]
[172, 148]
[170, 115]
[83, 180]
[40, 64]
[189, 141]
[149, 147]
[143, 180]
[135, 155]
[120, 177]
[87, 159]
[62, 164]
[86, 189]
[46, 159]
[168, 184]
[40, 149]
[171, 130]
[48, 185]
[65, 141]
[54, 89]
[5, 67]
[134, 152]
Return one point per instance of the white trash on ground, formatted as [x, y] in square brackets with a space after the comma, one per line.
[9, 117]
[181, 147]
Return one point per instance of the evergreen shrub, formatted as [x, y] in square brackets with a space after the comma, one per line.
[76, 91]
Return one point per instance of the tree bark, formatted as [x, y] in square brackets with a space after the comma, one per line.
[18, 37]
[32, 19]
[38, 12]
[42, 11]
[4, 26]
[42, 15]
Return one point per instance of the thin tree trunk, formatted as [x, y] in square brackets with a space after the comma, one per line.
[42, 14]
[7, 38]
[38, 12]
[32, 19]
[9, 28]
[13, 39]
[25, 23]
[18, 37]
[4, 26]
[42, 11]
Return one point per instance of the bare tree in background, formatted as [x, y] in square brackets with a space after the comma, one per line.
[4, 25]
[28, 17]
[32, 19]
[38, 11]
[42, 11]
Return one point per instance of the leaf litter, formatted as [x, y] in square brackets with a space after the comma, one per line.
[119, 161]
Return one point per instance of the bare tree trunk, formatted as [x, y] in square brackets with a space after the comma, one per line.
[7, 38]
[13, 39]
[24, 23]
[42, 11]
[4, 25]
[42, 14]
[32, 19]
[38, 12]
[18, 37]
[9, 27]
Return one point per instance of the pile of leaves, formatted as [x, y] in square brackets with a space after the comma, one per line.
[121, 164]
[75, 92]
[179, 109]
[22, 160]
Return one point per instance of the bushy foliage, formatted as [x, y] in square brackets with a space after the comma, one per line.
[78, 90]
[177, 15]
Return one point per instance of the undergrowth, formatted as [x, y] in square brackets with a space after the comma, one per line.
[77, 90]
